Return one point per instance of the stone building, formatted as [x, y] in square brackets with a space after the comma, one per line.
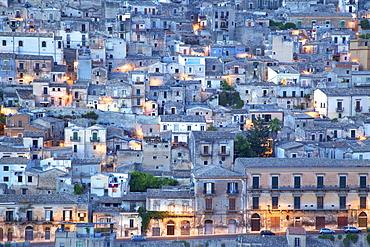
[212, 148]
[37, 217]
[312, 193]
[220, 200]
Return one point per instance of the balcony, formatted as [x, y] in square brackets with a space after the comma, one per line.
[224, 153]
[340, 109]
[96, 139]
[75, 139]
[307, 188]
[205, 154]
[232, 192]
[37, 69]
[21, 69]
[209, 193]
[358, 109]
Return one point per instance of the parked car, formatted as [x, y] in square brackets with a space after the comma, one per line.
[326, 231]
[267, 233]
[352, 229]
[137, 238]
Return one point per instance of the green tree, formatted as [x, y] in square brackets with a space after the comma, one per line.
[364, 23]
[78, 189]
[364, 36]
[289, 25]
[274, 126]
[242, 147]
[141, 181]
[226, 86]
[257, 137]
[90, 115]
[212, 128]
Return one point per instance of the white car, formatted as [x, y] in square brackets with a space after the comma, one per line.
[135, 238]
[326, 231]
[352, 229]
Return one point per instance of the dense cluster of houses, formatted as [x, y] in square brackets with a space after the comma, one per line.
[93, 90]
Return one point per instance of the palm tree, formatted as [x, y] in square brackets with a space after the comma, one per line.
[274, 127]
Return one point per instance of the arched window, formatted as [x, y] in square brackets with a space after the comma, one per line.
[4, 42]
[20, 43]
[43, 44]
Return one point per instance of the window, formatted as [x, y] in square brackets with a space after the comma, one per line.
[232, 188]
[205, 150]
[255, 202]
[362, 181]
[29, 179]
[132, 223]
[20, 179]
[79, 244]
[274, 182]
[363, 202]
[67, 215]
[6, 179]
[232, 202]
[20, 43]
[189, 127]
[297, 202]
[81, 216]
[209, 188]
[255, 182]
[320, 202]
[342, 182]
[4, 42]
[208, 204]
[297, 182]
[48, 215]
[75, 148]
[5, 168]
[342, 202]
[43, 44]
[297, 242]
[95, 136]
[9, 215]
[320, 182]
[75, 135]
[275, 202]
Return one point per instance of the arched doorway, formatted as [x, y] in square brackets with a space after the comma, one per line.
[185, 227]
[170, 228]
[362, 219]
[10, 235]
[256, 222]
[28, 236]
[208, 227]
[47, 233]
[232, 226]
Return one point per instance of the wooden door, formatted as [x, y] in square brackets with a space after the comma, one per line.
[320, 222]
[342, 222]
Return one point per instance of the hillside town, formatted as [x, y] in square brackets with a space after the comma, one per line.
[183, 118]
